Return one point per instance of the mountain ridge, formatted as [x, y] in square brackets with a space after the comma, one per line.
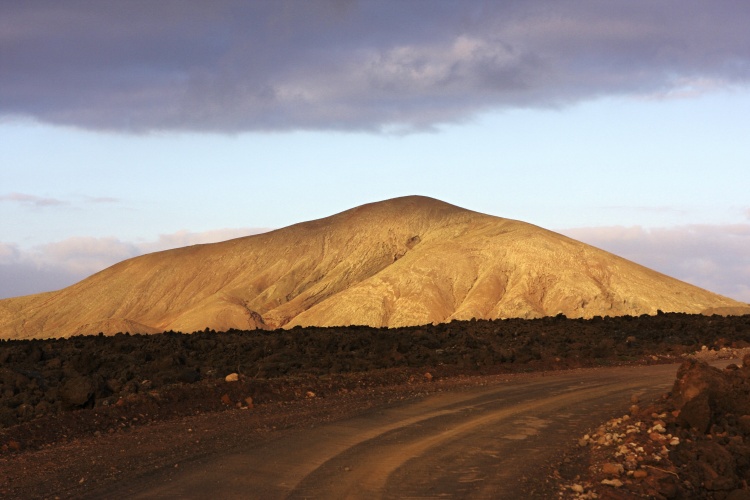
[400, 262]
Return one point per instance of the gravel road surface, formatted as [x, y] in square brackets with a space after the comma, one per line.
[493, 440]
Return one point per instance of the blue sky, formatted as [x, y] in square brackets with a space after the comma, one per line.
[625, 127]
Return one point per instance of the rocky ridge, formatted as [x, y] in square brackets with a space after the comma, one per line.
[172, 373]
[694, 443]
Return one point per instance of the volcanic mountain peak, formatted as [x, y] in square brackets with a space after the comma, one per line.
[406, 261]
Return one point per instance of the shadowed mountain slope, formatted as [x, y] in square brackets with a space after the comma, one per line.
[406, 261]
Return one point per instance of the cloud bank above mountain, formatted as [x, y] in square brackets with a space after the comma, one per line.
[59, 264]
[710, 256]
[234, 66]
[713, 257]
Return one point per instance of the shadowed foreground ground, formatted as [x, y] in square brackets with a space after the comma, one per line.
[328, 410]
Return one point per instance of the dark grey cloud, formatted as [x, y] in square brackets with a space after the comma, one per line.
[26, 278]
[714, 257]
[231, 65]
[20, 275]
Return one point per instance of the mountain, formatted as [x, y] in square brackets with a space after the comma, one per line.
[406, 261]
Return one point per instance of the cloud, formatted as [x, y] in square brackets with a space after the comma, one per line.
[20, 276]
[714, 257]
[186, 238]
[31, 200]
[232, 66]
[41, 201]
[646, 209]
[59, 264]
[83, 256]
[101, 199]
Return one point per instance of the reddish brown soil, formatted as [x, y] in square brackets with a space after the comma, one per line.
[63, 393]
[694, 442]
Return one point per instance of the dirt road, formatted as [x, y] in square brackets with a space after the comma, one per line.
[491, 441]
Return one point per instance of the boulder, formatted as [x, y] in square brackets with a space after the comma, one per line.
[701, 392]
[77, 392]
[696, 413]
[695, 378]
[743, 423]
[612, 469]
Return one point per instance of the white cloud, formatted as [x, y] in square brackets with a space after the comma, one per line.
[62, 263]
[82, 256]
[714, 257]
[35, 201]
[101, 199]
[31, 200]
[185, 238]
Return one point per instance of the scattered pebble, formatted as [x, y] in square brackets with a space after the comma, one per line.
[612, 482]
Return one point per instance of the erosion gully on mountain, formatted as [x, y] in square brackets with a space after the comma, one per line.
[467, 409]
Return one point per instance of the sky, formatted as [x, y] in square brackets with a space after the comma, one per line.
[132, 127]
